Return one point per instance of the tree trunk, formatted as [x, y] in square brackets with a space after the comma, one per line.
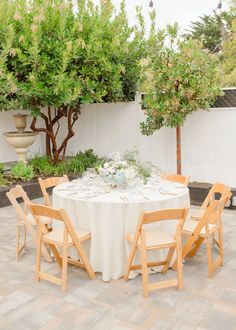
[54, 151]
[178, 149]
[48, 147]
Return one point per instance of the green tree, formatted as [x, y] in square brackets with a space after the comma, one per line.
[212, 30]
[54, 58]
[229, 60]
[228, 68]
[184, 79]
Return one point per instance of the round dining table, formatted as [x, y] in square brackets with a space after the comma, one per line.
[112, 213]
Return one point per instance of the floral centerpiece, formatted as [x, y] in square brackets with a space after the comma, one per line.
[124, 170]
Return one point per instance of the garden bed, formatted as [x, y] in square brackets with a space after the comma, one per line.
[27, 175]
[32, 189]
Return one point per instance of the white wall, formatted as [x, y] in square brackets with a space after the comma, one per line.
[209, 146]
[115, 127]
[208, 139]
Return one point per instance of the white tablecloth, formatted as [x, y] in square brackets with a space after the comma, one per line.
[109, 218]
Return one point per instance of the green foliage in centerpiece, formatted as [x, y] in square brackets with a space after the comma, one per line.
[123, 170]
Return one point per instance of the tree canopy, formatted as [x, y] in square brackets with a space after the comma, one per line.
[184, 79]
[212, 30]
[229, 61]
[217, 34]
[55, 57]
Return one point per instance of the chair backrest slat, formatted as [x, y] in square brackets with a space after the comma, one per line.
[217, 189]
[215, 210]
[161, 215]
[177, 178]
[16, 193]
[56, 214]
[167, 214]
[49, 183]
[41, 210]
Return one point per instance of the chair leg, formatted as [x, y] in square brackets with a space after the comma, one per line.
[85, 260]
[25, 235]
[64, 268]
[56, 254]
[196, 247]
[144, 271]
[179, 258]
[208, 246]
[17, 242]
[189, 245]
[168, 260]
[130, 261]
[221, 245]
[38, 255]
[180, 267]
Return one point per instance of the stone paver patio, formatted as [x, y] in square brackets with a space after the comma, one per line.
[202, 304]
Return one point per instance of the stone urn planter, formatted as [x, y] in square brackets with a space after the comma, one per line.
[20, 122]
[21, 140]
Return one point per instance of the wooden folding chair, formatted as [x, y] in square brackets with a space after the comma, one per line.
[146, 240]
[203, 230]
[217, 191]
[25, 220]
[50, 183]
[176, 178]
[65, 237]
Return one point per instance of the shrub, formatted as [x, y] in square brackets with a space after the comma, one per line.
[76, 165]
[2, 169]
[3, 181]
[42, 165]
[21, 171]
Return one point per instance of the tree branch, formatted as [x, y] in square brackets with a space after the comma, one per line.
[71, 133]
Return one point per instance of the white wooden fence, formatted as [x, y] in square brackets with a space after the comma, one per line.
[208, 139]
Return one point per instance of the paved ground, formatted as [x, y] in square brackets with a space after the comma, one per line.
[202, 304]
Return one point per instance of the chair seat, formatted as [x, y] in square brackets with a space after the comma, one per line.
[190, 225]
[44, 220]
[196, 214]
[154, 238]
[57, 236]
